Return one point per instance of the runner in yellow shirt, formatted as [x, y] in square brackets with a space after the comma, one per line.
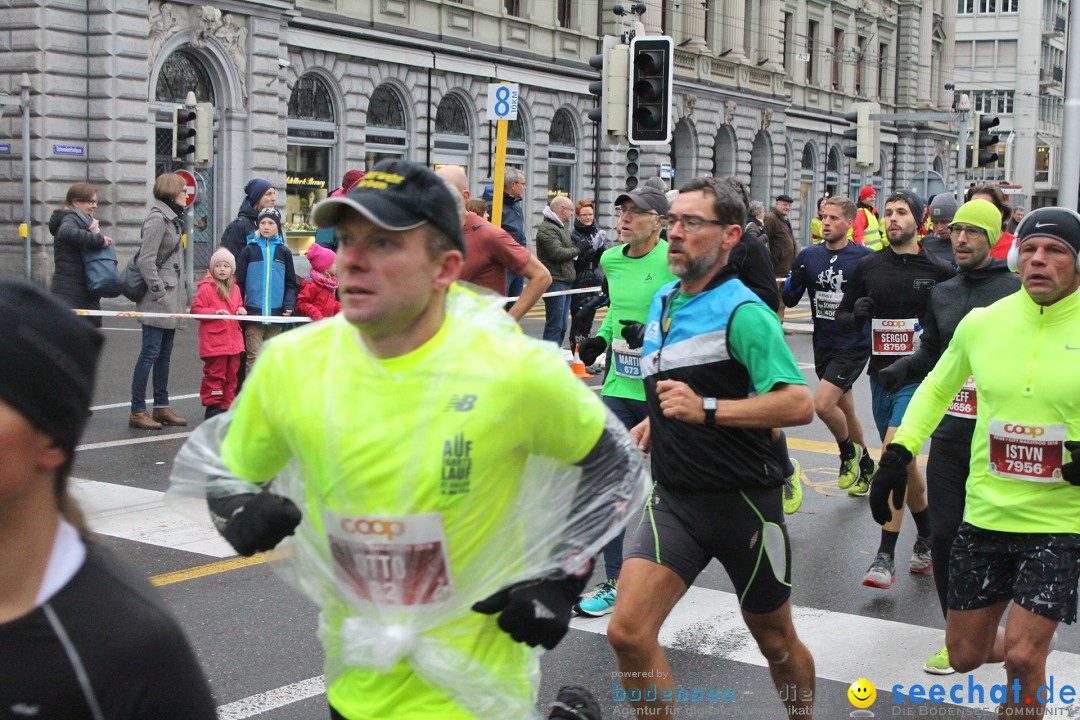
[447, 477]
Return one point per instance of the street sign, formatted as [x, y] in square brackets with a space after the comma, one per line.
[189, 187]
[502, 101]
[68, 150]
[666, 172]
[803, 57]
[5, 148]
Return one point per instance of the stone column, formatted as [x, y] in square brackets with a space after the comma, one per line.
[694, 26]
[770, 32]
[733, 19]
[925, 87]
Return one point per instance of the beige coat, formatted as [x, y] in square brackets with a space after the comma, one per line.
[161, 262]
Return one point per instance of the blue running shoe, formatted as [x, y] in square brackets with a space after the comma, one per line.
[600, 603]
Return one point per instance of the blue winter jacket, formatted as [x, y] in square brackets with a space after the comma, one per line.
[266, 277]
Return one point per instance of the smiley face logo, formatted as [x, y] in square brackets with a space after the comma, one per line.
[862, 693]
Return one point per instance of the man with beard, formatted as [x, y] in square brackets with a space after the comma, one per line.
[982, 280]
[889, 290]
[939, 241]
[823, 271]
[718, 376]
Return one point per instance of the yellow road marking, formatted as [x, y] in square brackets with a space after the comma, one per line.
[210, 569]
[215, 568]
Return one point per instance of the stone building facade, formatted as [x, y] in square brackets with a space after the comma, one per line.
[304, 90]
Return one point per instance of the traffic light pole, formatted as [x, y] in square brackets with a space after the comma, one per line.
[1070, 128]
[189, 237]
[961, 154]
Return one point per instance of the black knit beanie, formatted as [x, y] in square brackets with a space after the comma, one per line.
[48, 362]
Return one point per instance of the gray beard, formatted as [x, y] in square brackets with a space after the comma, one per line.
[696, 268]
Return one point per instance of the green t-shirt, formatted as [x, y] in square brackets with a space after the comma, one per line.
[1022, 358]
[756, 339]
[439, 435]
[632, 282]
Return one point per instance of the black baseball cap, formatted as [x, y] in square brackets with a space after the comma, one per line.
[646, 198]
[398, 195]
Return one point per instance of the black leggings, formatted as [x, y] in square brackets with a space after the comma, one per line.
[946, 480]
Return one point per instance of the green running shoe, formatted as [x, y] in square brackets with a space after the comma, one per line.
[938, 664]
[849, 469]
[793, 490]
[866, 474]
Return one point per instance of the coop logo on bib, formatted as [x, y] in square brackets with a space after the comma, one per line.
[391, 561]
[1026, 451]
[894, 337]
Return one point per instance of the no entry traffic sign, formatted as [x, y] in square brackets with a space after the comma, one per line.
[189, 187]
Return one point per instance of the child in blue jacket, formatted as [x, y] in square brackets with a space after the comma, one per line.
[267, 280]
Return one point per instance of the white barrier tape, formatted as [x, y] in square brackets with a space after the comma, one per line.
[190, 316]
[577, 291]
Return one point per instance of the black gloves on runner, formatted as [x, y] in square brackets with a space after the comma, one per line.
[1070, 471]
[536, 612]
[892, 378]
[890, 479]
[863, 309]
[633, 333]
[591, 349]
[254, 523]
[797, 279]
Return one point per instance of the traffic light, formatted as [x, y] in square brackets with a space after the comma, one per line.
[984, 139]
[866, 134]
[611, 89]
[183, 134]
[204, 134]
[631, 169]
[651, 78]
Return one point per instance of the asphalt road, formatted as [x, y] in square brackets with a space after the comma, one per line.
[255, 636]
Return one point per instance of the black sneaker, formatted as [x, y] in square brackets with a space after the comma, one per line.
[575, 703]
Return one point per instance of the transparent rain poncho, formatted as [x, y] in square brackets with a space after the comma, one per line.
[426, 483]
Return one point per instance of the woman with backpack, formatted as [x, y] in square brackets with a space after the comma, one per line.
[161, 263]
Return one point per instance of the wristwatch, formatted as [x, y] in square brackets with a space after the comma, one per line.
[709, 406]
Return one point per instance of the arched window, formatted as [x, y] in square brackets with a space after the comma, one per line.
[832, 173]
[516, 141]
[562, 155]
[387, 134]
[452, 140]
[309, 162]
[180, 73]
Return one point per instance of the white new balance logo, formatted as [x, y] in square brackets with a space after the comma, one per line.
[541, 611]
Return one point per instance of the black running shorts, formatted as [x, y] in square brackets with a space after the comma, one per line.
[744, 529]
[1037, 571]
[840, 366]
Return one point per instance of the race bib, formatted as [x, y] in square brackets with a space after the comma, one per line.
[965, 404]
[1027, 452]
[627, 361]
[825, 304]
[391, 560]
[894, 337]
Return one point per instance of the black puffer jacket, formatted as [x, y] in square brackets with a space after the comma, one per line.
[235, 236]
[949, 303]
[70, 229]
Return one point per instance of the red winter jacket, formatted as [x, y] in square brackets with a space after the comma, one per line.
[217, 337]
[316, 301]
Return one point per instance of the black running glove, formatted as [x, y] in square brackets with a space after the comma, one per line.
[633, 333]
[892, 378]
[797, 278]
[890, 479]
[254, 523]
[591, 349]
[1070, 471]
[536, 612]
[863, 309]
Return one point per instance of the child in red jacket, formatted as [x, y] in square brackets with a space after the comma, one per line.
[221, 342]
[318, 291]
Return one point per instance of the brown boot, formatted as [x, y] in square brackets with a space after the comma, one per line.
[143, 421]
[166, 416]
